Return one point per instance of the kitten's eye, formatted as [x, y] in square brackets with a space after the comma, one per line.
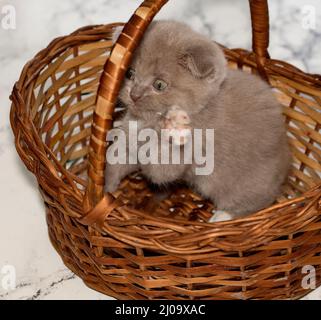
[130, 74]
[160, 85]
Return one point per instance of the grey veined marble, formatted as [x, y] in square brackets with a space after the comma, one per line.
[24, 244]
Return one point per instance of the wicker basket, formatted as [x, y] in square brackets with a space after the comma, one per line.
[123, 244]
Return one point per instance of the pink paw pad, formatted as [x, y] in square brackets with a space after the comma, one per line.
[177, 124]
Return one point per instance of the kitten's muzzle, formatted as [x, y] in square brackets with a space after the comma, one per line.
[135, 95]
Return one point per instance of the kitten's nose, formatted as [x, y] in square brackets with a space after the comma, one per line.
[135, 95]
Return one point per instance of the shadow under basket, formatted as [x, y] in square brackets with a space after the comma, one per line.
[127, 245]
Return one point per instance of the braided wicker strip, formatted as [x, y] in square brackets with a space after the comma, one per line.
[110, 82]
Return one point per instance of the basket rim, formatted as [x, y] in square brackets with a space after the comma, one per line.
[87, 34]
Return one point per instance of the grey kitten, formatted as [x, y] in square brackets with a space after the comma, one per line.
[176, 66]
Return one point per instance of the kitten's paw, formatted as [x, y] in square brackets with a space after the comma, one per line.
[180, 137]
[220, 216]
[177, 126]
[178, 117]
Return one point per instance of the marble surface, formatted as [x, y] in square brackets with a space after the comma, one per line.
[24, 244]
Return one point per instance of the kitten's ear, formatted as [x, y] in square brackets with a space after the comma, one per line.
[204, 61]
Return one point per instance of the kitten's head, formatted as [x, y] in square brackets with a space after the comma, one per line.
[172, 66]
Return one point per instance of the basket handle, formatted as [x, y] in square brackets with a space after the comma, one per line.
[114, 73]
[260, 33]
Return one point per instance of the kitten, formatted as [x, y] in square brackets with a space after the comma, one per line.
[175, 66]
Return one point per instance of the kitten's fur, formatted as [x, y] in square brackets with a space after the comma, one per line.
[251, 150]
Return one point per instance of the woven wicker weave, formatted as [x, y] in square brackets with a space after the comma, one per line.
[123, 244]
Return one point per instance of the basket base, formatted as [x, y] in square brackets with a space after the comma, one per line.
[95, 282]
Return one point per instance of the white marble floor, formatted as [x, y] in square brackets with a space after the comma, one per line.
[24, 244]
